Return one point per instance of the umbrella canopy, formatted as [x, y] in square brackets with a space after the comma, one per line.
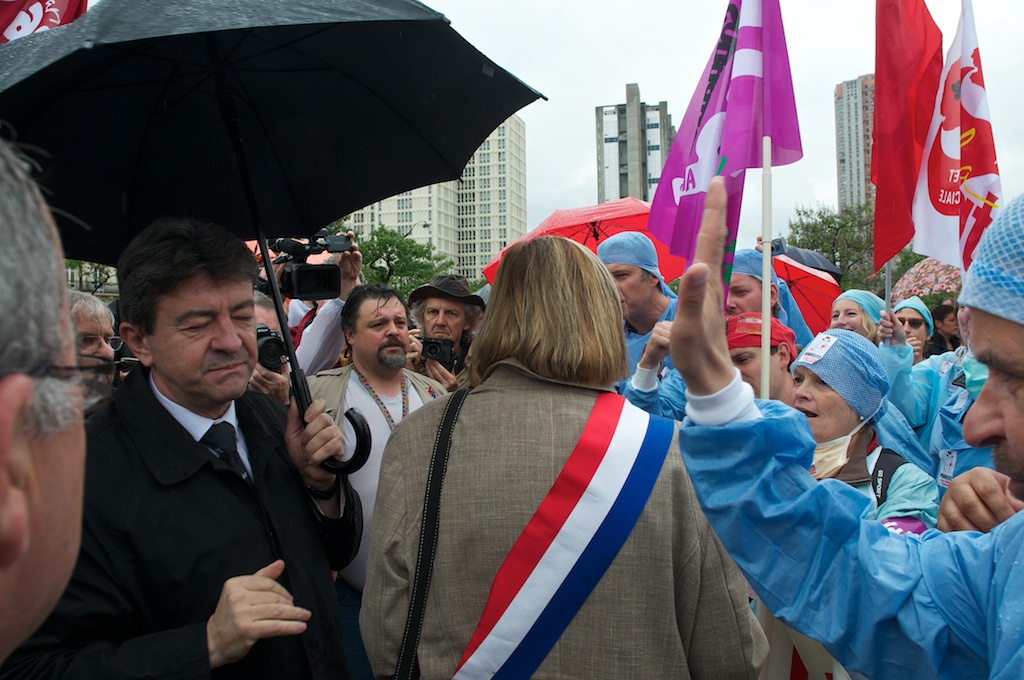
[592, 225]
[338, 103]
[813, 290]
[927, 277]
[805, 256]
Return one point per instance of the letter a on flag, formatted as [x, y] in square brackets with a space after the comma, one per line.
[19, 18]
[745, 93]
[958, 192]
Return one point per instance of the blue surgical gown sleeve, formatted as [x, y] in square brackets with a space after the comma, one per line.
[668, 400]
[885, 605]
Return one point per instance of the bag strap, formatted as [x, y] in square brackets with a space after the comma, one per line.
[408, 667]
[885, 467]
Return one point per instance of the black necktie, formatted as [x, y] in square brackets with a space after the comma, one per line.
[221, 438]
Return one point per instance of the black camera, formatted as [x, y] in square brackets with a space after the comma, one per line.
[310, 281]
[441, 350]
[270, 349]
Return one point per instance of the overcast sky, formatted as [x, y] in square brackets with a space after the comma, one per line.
[581, 54]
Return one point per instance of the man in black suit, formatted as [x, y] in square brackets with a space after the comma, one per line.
[210, 529]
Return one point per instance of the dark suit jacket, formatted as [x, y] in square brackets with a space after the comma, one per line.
[165, 525]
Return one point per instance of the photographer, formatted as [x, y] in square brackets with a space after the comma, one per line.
[446, 312]
[271, 373]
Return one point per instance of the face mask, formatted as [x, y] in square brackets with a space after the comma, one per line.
[831, 456]
[975, 374]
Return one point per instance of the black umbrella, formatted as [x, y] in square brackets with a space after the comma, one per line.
[811, 258]
[339, 103]
[270, 117]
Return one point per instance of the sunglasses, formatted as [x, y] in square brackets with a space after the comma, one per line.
[913, 323]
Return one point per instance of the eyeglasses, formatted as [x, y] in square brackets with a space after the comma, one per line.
[91, 343]
[913, 323]
[93, 373]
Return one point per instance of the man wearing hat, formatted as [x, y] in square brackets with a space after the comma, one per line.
[885, 605]
[743, 332]
[446, 310]
[745, 294]
[633, 262]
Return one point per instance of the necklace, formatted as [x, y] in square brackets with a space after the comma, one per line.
[380, 404]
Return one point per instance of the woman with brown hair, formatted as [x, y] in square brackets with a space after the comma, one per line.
[517, 584]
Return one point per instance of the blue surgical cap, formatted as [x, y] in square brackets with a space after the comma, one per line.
[633, 248]
[867, 301]
[748, 261]
[852, 366]
[917, 304]
[995, 280]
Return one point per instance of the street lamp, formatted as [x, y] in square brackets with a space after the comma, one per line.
[406, 230]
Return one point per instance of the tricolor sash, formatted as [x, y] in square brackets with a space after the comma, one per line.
[570, 541]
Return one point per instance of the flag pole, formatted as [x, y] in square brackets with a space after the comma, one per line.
[766, 261]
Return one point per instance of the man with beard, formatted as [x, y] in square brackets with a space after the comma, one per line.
[375, 321]
[210, 528]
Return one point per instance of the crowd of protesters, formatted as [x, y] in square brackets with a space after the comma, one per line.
[605, 468]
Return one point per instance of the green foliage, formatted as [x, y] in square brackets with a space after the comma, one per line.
[400, 262]
[846, 238]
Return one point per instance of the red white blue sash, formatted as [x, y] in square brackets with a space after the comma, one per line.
[570, 541]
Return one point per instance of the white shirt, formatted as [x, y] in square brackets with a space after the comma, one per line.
[364, 480]
[198, 425]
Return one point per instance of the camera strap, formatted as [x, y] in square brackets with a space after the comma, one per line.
[380, 404]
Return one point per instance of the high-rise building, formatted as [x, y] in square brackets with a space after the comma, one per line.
[469, 219]
[633, 140]
[855, 112]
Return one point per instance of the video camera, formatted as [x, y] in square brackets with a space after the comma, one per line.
[310, 281]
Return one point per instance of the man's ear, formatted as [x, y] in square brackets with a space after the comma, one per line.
[136, 341]
[15, 467]
[774, 296]
[782, 352]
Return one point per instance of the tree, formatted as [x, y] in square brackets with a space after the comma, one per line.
[846, 238]
[400, 262]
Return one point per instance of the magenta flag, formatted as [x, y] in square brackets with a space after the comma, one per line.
[745, 93]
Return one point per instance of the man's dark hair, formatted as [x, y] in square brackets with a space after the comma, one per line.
[359, 294]
[940, 312]
[171, 251]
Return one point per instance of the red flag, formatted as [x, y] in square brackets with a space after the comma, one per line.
[19, 18]
[908, 63]
[958, 188]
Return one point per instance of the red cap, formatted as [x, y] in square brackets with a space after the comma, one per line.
[744, 330]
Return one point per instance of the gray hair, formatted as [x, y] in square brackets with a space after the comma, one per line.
[86, 306]
[32, 280]
[261, 299]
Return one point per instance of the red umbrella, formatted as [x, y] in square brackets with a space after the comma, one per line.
[813, 290]
[593, 224]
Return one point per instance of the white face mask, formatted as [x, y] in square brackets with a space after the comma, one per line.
[831, 456]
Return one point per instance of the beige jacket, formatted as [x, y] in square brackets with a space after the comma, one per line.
[671, 605]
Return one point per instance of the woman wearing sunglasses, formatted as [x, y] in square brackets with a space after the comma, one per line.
[917, 324]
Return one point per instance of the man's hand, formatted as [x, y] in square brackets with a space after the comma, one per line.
[413, 357]
[977, 500]
[350, 264]
[699, 348]
[657, 347]
[441, 374]
[890, 330]
[252, 608]
[270, 382]
[310, 441]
